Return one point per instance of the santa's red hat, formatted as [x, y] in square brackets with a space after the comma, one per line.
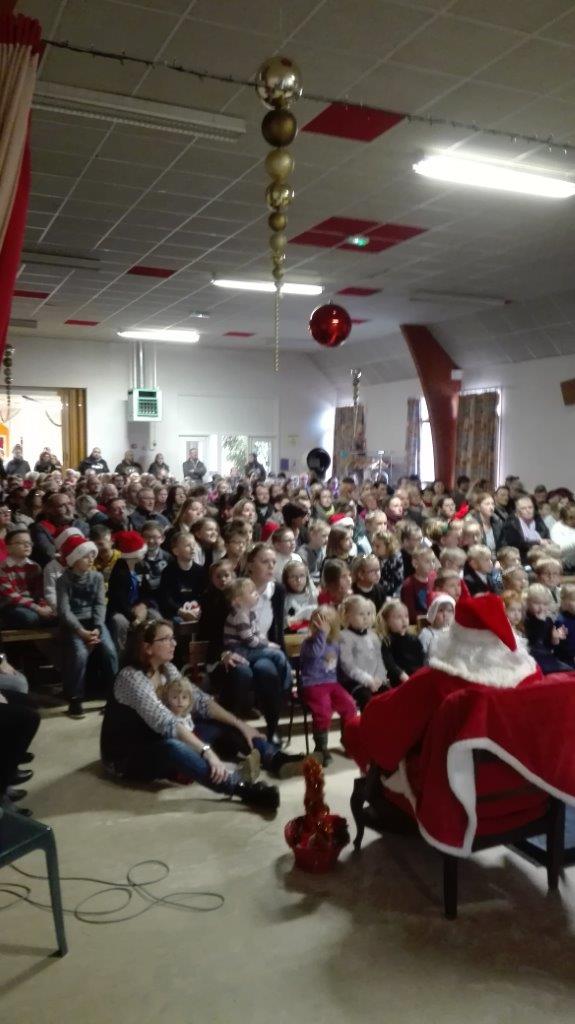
[487, 612]
[62, 537]
[341, 519]
[76, 547]
[130, 544]
[268, 528]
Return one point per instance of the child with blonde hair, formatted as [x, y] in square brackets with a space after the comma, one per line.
[543, 635]
[402, 653]
[478, 571]
[440, 616]
[361, 667]
[549, 572]
[514, 609]
[365, 579]
[515, 578]
[566, 619]
[300, 597]
[448, 581]
[415, 589]
[335, 582]
[321, 691]
[385, 546]
[313, 552]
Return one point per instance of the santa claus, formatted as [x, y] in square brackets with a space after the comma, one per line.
[482, 691]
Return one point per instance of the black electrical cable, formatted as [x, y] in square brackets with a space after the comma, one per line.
[130, 888]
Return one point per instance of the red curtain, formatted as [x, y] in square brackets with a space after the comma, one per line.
[20, 44]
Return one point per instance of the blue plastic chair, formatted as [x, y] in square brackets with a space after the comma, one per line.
[19, 836]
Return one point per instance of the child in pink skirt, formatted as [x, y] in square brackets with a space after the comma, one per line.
[322, 693]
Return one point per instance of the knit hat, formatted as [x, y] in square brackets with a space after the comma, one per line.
[486, 612]
[62, 537]
[268, 528]
[130, 544]
[76, 547]
[340, 519]
[437, 601]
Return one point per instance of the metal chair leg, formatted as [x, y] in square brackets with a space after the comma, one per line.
[55, 893]
[555, 843]
[450, 866]
[357, 804]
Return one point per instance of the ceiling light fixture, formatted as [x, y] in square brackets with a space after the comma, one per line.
[110, 106]
[268, 286]
[358, 240]
[162, 334]
[421, 295]
[59, 259]
[500, 177]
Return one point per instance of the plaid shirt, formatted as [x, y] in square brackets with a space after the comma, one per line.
[20, 585]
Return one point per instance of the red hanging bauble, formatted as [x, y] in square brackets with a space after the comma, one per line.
[330, 325]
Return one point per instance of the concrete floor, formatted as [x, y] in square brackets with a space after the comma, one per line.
[366, 943]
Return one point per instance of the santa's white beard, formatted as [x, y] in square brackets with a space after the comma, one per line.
[478, 656]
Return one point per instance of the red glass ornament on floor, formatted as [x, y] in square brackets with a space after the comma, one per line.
[330, 325]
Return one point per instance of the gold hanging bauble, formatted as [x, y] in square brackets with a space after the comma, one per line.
[279, 164]
[278, 242]
[278, 82]
[279, 195]
[279, 128]
[277, 273]
[277, 221]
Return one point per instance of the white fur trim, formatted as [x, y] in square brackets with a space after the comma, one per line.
[478, 656]
[399, 783]
[87, 548]
[135, 554]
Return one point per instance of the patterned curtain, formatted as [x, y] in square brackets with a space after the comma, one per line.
[349, 449]
[412, 438]
[477, 433]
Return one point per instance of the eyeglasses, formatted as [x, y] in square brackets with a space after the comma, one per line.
[163, 639]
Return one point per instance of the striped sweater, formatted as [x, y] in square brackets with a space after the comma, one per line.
[20, 585]
[240, 630]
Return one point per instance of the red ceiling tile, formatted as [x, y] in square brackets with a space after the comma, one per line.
[348, 122]
[83, 323]
[239, 334]
[358, 320]
[320, 238]
[374, 245]
[352, 290]
[150, 271]
[23, 293]
[395, 232]
[344, 226]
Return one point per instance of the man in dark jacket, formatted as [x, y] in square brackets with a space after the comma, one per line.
[524, 529]
[254, 469]
[17, 466]
[55, 515]
[193, 467]
[94, 461]
[144, 512]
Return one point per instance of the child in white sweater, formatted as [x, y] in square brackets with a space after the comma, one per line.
[300, 599]
[361, 668]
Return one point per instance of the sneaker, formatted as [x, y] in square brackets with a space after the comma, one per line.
[323, 757]
[75, 709]
[249, 769]
[285, 766]
[259, 794]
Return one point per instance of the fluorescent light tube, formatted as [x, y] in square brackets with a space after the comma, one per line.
[501, 177]
[422, 295]
[162, 335]
[110, 106]
[268, 286]
[59, 259]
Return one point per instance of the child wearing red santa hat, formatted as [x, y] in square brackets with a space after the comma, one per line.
[125, 604]
[81, 611]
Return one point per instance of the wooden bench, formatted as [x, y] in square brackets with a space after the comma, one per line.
[24, 636]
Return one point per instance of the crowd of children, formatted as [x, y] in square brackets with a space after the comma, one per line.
[370, 575]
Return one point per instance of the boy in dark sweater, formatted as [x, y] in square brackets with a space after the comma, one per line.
[153, 563]
[81, 610]
[126, 602]
[182, 582]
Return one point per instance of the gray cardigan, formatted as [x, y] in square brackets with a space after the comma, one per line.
[80, 599]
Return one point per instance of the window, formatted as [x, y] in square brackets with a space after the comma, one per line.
[235, 449]
[426, 457]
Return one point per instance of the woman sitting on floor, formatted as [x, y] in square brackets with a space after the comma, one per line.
[144, 740]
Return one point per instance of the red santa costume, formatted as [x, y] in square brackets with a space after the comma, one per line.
[482, 691]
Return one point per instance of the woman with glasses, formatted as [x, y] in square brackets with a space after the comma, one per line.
[143, 740]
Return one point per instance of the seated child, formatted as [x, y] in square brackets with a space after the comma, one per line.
[335, 582]
[236, 536]
[22, 601]
[543, 636]
[241, 634]
[340, 542]
[300, 597]
[478, 571]
[365, 574]
[55, 567]
[321, 692]
[410, 537]
[181, 582]
[385, 547]
[471, 534]
[153, 563]
[283, 543]
[361, 669]
[515, 578]
[566, 619]
[414, 590]
[402, 653]
[206, 534]
[448, 581]
[440, 616]
[455, 558]
[108, 555]
[126, 606]
[85, 639]
[549, 572]
[214, 608]
[514, 609]
[507, 557]
[313, 553]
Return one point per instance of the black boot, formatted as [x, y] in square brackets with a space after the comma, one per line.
[284, 766]
[75, 709]
[259, 794]
[321, 741]
[20, 776]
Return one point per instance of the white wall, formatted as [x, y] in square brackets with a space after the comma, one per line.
[537, 432]
[299, 401]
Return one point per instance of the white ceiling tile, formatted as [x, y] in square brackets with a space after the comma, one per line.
[524, 15]
[544, 65]
[456, 47]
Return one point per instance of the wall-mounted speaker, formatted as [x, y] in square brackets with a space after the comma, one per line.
[568, 391]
